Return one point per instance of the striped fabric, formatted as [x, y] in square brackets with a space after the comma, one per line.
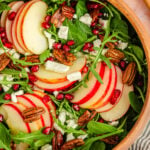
[143, 142]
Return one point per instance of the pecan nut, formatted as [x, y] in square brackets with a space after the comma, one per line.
[32, 58]
[4, 59]
[129, 73]
[68, 12]
[86, 117]
[65, 58]
[72, 144]
[32, 114]
[57, 18]
[115, 55]
[94, 14]
[111, 140]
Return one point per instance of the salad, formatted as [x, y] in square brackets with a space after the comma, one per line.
[73, 75]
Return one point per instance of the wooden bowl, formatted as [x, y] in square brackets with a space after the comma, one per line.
[138, 14]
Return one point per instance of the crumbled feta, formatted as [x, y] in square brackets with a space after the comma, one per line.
[56, 67]
[82, 136]
[63, 32]
[1, 51]
[20, 92]
[62, 117]
[9, 78]
[6, 87]
[48, 35]
[86, 19]
[103, 22]
[75, 16]
[97, 43]
[27, 69]
[122, 45]
[11, 52]
[114, 123]
[57, 127]
[46, 147]
[13, 98]
[1, 77]
[55, 93]
[16, 55]
[27, 54]
[50, 43]
[71, 123]
[104, 51]
[70, 137]
[74, 76]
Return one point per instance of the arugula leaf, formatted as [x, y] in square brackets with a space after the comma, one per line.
[135, 103]
[99, 128]
[5, 138]
[98, 145]
[81, 8]
[4, 6]
[44, 56]
[106, 60]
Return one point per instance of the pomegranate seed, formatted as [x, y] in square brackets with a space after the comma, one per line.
[94, 6]
[46, 131]
[1, 118]
[85, 69]
[71, 42]
[2, 29]
[12, 15]
[63, 4]
[35, 68]
[60, 96]
[57, 45]
[47, 18]
[46, 25]
[32, 78]
[8, 45]
[115, 96]
[93, 24]
[95, 31]
[1, 89]
[4, 40]
[122, 64]
[66, 48]
[3, 34]
[101, 120]
[69, 97]
[76, 107]
[16, 87]
[46, 99]
[100, 14]
[91, 49]
[87, 45]
[31, 85]
[50, 59]
[7, 96]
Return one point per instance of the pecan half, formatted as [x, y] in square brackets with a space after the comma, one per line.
[32, 58]
[129, 73]
[64, 57]
[4, 61]
[68, 12]
[115, 55]
[111, 140]
[12, 66]
[86, 117]
[72, 144]
[57, 18]
[94, 14]
[32, 114]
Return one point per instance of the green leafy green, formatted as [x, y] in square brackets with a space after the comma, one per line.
[81, 8]
[5, 138]
[135, 103]
[99, 128]
[44, 56]
[98, 145]
[4, 6]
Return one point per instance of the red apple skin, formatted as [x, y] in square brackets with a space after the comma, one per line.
[94, 88]
[19, 112]
[32, 104]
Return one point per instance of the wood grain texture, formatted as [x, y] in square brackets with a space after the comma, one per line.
[139, 15]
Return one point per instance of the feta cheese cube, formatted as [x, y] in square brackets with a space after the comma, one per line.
[6, 87]
[56, 67]
[50, 43]
[63, 32]
[62, 117]
[86, 19]
[20, 92]
[9, 78]
[57, 127]
[48, 35]
[13, 98]
[27, 69]
[70, 137]
[97, 43]
[74, 76]
[1, 51]
[55, 93]
[75, 16]
[16, 55]
[71, 123]
[46, 147]
[122, 45]
[82, 136]
[103, 22]
[114, 123]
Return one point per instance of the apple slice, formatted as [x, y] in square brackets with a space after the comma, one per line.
[101, 91]
[119, 86]
[14, 8]
[84, 94]
[4, 15]
[53, 77]
[121, 108]
[47, 116]
[31, 32]
[29, 103]
[14, 118]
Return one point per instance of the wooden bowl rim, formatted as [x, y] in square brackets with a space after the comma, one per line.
[145, 40]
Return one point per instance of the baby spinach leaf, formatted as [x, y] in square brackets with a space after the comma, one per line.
[44, 56]
[135, 103]
[98, 145]
[81, 8]
[99, 128]
[5, 138]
